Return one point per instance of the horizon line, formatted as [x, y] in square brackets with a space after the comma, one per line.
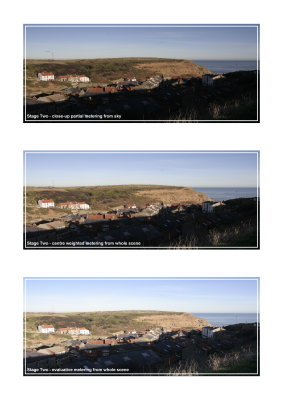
[169, 58]
[145, 184]
[184, 312]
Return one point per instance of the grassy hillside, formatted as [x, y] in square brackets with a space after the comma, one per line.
[113, 320]
[107, 322]
[103, 198]
[106, 70]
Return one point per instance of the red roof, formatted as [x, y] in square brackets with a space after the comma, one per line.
[95, 90]
[46, 73]
[46, 201]
[46, 326]
[95, 217]
[98, 341]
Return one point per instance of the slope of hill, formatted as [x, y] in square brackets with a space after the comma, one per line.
[107, 323]
[103, 198]
[107, 70]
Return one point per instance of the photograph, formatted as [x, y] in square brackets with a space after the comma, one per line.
[141, 200]
[141, 73]
[141, 326]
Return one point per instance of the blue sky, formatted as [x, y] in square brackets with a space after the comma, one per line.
[199, 296]
[183, 42]
[179, 169]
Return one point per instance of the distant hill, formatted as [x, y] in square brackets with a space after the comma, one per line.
[103, 198]
[107, 70]
[109, 322]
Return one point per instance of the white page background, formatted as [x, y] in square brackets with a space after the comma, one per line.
[16, 137]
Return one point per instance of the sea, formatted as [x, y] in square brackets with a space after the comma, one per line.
[223, 319]
[224, 66]
[222, 194]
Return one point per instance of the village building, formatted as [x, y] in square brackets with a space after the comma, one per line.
[78, 331]
[74, 205]
[136, 360]
[110, 89]
[127, 84]
[73, 331]
[73, 78]
[209, 206]
[208, 331]
[84, 331]
[209, 79]
[62, 331]
[45, 76]
[46, 328]
[44, 203]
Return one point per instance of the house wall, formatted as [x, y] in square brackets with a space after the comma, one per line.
[84, 332]
[207, 208]
[45, 205]
[46, 330]
[206, 332]
[45, 77]
[84, 206]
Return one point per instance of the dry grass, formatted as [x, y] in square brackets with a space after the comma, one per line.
[232, 109]
[189, 116]
[189, 368]
[240, 361]
[179, 67]
[229, 360]
[171, 321]
[241, 108]
[191, 243]
[218, 238]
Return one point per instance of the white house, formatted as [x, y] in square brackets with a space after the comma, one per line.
[83, 206]
[73, 331]
[45, 328]
[74, 205]
[209, 79]
[62, 331]
[84, 331]
[78, 331]
[84, 78]
[46, 76]
[209, 206]
[208, 331]
[73, 78]
[46, 203]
